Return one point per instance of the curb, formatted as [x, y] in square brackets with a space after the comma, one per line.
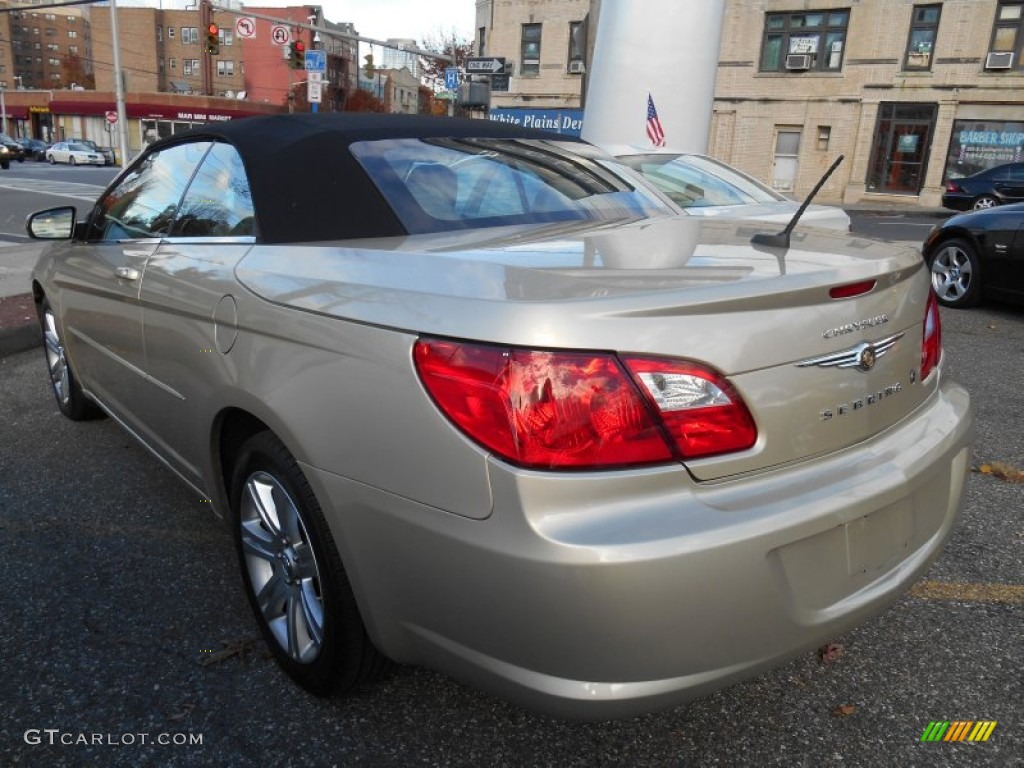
[19, 339]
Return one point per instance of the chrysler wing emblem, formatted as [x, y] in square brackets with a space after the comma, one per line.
[862, 357]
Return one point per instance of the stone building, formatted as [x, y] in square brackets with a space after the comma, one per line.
[912, 93]
[544, 45]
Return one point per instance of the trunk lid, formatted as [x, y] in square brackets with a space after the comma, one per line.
[692, 289]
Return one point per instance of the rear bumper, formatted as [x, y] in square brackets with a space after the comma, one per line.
[957, 202]
[610, 594]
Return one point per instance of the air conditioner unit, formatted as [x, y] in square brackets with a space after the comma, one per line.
[576, 67]
[798, 61]
[999, 60]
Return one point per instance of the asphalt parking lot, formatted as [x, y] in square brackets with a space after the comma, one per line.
[125, 627]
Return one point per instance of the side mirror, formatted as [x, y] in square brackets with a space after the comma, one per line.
[52, 224]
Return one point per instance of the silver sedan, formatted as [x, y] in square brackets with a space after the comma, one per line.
[479, 398]
[74, 154]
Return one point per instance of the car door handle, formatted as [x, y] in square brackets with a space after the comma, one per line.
[127, 273]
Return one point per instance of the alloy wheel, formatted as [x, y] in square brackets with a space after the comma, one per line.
[56, 359]
[282, 567]
[952, 272]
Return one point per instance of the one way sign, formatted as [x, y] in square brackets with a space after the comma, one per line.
[490, 65]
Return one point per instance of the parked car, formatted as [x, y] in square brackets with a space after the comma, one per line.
[704, 186]
[977, 254]
[5, 157]
[14, 150]
[107, 152]
[35, 149]
[986, 189]
[477, 397]
[73, 153]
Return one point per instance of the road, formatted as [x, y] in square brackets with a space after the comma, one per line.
[29, 186]
[125, 622]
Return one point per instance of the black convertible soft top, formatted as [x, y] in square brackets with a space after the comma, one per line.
[307, 186]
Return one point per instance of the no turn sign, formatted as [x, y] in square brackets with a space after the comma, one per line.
[111, 117]
[280, 35]
[245, 27]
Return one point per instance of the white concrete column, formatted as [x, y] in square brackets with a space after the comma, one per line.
[667, 49]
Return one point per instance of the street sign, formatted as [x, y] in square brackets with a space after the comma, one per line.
[280, 35]
[111, 117]
[489, 65]
[313, 92]
[316, 77]
[245, 27]
[451, 78]
[316, 61]
[499, 82]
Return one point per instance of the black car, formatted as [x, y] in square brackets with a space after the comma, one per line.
[14, 150]
[107, 152]
[976, 254]
[35, 149]
[986, 189]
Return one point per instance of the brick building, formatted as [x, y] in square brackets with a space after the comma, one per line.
[34, 44]
[164, 51]
[912, 93]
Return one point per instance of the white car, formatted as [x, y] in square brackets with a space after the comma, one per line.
[73, 153]
[708, 187]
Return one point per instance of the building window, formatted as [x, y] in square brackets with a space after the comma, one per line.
[577, 46]
[481, 37]
[55, 76]
[186, 66]
[924, 26]
[51, 32]
[72, 33]
[225, 36]
[530, 50]
[160, 66]
[73, 49]
[54, 62]
[50, 16]
[174, 63]
[159, 33]
[170, 33]
[37, 46]
[804, 41]
[189, 35]
[1005, 48]
[225, 68]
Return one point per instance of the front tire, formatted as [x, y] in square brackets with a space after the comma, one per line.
[985, 201]
[72, 161]
[52, 159]
[956, 274]
[293, 575]
[71, 401]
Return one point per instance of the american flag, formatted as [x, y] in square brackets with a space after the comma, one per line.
[654, 131]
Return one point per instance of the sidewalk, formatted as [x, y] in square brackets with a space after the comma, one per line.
[19, 329]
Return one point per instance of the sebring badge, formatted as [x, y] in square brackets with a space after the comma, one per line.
[862, 357]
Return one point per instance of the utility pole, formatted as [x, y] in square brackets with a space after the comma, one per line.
[205, 19]
[122, 121]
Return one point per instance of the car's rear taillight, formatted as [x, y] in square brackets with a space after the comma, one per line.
[575, 410]
[952, 186]
[931, 342]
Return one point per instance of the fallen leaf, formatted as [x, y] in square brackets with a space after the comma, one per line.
[1003, 471]
[844, 711]
[231, 648]
[830, 652]
[186, 710]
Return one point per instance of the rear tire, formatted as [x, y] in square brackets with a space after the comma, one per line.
[985, 201]
[6, 164]
[72, 161]
[956, 274]
[52, 159]
[293, 574]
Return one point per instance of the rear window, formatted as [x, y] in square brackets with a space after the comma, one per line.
[443, 184]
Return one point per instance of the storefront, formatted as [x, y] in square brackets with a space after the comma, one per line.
[979, 144]
[901, 147]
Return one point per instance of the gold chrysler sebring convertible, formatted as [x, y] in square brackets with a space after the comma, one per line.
[479, 398]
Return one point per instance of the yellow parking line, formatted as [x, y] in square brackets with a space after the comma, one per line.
[1008, 594]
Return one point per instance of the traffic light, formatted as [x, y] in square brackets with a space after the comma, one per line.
[369, 65]
[297, 54]
[213, 40]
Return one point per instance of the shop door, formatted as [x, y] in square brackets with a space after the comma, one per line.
[899, 158]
